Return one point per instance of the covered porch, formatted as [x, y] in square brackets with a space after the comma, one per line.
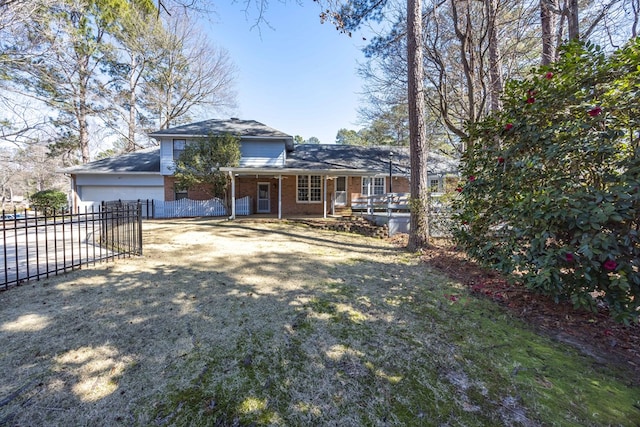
[281, 193]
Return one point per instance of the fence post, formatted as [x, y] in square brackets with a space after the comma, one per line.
[4, 246]
[140, 228]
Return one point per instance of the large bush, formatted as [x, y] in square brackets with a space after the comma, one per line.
[551, 184]
[48, 201]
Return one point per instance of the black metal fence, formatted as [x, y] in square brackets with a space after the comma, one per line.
[35, 245]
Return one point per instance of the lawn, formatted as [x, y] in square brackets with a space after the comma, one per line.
[245, 323]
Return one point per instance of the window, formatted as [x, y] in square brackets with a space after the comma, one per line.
[309, 188]
[434, 185]
[178, 148]
[377, 186]
[181, 194]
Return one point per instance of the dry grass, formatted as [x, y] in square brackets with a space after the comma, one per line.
[230, 323]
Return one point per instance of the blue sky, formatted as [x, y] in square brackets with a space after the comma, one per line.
[299, 76]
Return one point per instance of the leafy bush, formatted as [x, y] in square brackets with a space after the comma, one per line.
[48, 201]
[551, 191]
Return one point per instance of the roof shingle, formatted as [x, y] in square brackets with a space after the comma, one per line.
[236, 127]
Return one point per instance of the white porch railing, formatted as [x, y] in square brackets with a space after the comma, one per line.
[189, 208]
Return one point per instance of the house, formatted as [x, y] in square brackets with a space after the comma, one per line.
[280, 178]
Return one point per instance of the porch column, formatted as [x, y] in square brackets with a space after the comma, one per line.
[324, 210]
[279, 196]
[233, 196]
[333, 198]
[369, 195]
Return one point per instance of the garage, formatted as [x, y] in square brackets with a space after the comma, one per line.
[130, 176]
[97, 193]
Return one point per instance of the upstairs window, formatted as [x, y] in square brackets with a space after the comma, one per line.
[178, 148]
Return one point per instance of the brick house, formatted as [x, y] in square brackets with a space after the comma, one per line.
[280, 178]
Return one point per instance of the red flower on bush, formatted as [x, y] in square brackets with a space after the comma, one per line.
[459, 189]
[465, 222]
[531, 100]
[501, 160]
[595, 111]
[548, 76]
[609, 265]
[472, 178]
[508, 126]
[569, 257]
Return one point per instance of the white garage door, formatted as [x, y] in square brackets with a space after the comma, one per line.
[98, 193]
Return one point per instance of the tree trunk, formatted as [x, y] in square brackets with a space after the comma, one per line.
[574, 33]
[463, 30]
[131, 137]
[419, 233]
[495, 64]
[83, 110]
[548, 23]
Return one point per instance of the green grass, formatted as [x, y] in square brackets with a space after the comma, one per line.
[409, 354]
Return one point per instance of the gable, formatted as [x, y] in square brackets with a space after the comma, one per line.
[256, 153]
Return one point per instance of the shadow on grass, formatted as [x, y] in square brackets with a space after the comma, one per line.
[291, 327]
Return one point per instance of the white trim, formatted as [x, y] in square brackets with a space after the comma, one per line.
[287, 171]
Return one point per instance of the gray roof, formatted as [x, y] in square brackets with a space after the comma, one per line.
[375, 159]
[143, 161]
[236, 127]
[319, 157]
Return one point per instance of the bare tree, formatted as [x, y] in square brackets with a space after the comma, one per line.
[191, 74]
[133, 60]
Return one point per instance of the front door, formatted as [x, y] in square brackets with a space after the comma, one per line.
[341, 191]
[264, 198]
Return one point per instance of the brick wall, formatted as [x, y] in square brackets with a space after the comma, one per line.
[248, 186]
[197, 193]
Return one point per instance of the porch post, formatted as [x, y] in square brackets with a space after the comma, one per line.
[333, 198]
[233, 196]
[369, 195]
[324, 209]
[279, 196]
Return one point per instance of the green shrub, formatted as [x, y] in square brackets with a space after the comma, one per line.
[551, 191]
[48, 201]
